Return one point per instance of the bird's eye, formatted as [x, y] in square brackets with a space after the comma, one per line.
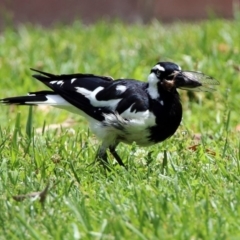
[158, 73]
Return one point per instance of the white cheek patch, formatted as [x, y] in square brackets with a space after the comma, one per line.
[91, 95]
[121, 88]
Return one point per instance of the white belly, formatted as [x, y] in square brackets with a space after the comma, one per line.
[116, 129]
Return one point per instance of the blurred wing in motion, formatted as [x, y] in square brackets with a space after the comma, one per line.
[208, 83]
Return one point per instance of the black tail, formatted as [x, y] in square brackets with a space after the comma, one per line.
[47, 77]
[44, 77]
[34, 98]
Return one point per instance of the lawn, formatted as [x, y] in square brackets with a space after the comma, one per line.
[184, 188]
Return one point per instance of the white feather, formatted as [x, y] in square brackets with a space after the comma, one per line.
[91, 95]
[73, 80]
[60, 82]
[116, 128]
[53, 82]
[59, 102]
[121, 88]
[152, 88]
[159, 67]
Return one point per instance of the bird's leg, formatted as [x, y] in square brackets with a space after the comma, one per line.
[116, 156]
[101, 156]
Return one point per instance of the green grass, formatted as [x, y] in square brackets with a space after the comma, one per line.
[169, 192]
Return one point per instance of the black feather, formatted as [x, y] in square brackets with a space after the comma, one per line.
[24, 100]
[51, 77]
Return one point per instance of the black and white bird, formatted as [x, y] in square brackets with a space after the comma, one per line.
[122, 110]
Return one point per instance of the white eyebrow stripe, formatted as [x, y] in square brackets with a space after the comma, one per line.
[160, 68]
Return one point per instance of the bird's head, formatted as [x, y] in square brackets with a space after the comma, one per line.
[167, 76]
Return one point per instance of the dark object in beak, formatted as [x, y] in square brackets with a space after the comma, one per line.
[194, 81]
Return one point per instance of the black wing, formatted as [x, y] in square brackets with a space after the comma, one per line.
[98, 95]
[134, 98]
[66, 85]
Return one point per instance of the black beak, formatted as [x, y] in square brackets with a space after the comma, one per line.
[183, 81]
[192, 81]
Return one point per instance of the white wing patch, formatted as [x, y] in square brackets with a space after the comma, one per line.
[121, 88]
[91, 95]
[60, 82]
[53, 82]
[84, 91]
[73, 80]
